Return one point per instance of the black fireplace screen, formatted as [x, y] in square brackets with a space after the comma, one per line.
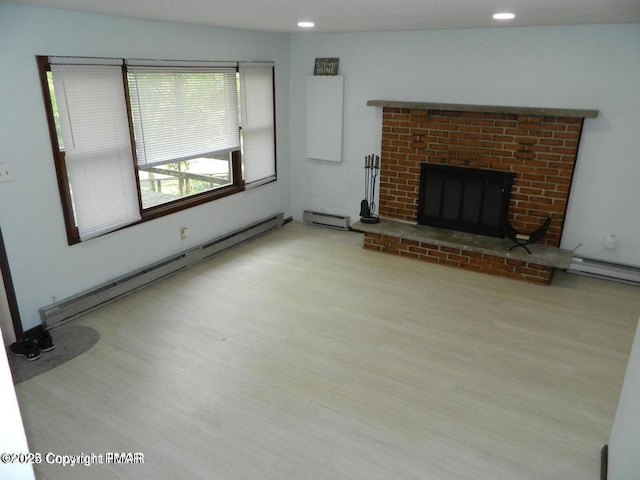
[464, 199]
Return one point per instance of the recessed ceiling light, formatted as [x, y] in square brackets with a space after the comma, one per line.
[504, 16]
[306, 24]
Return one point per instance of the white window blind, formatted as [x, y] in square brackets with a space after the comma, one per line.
[97, 146]
[258, 142]
[181, 113]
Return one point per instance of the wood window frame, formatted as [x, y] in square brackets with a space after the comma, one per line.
[237, 184]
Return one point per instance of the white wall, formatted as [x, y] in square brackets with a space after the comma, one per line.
[12, 436]
[592, 67]
[624, 462]
[42, 265]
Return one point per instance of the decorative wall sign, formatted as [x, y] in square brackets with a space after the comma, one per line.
[326, 66]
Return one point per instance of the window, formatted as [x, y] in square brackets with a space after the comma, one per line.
[185, 123]
[135, 139]
[257, 122]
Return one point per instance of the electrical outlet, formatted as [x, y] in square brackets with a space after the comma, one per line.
[5, 173]
[611, 242]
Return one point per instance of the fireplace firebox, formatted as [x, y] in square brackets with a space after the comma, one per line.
[464, 199]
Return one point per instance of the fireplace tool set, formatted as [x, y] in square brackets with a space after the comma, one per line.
[368, 206]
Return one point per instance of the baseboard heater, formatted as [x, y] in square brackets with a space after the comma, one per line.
[82, 303]
[326, 220]
[609, 271]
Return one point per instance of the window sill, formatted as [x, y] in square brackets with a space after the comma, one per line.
[188, 202]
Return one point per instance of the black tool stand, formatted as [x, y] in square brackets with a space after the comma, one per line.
[370, 219]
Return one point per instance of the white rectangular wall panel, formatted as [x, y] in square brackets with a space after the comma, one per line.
[324, 117]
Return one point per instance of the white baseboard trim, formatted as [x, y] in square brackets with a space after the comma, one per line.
[326, 220]
[72, 307]
[609, 271]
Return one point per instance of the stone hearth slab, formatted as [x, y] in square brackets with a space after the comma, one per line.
[540, 254]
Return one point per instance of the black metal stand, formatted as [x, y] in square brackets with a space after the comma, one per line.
[370, 219]
[523, 239]
[367, 206]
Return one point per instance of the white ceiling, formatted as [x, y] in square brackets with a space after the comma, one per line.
[360, 15]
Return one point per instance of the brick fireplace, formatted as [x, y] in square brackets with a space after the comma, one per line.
[538, 145]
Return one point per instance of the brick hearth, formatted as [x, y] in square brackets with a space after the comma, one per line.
[464, 250]
[539, 146]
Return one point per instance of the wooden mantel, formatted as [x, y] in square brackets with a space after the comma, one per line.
[458, 107]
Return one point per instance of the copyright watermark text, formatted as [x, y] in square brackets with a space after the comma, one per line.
[83, 459]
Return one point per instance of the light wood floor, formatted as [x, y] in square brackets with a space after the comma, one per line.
[301, 356]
